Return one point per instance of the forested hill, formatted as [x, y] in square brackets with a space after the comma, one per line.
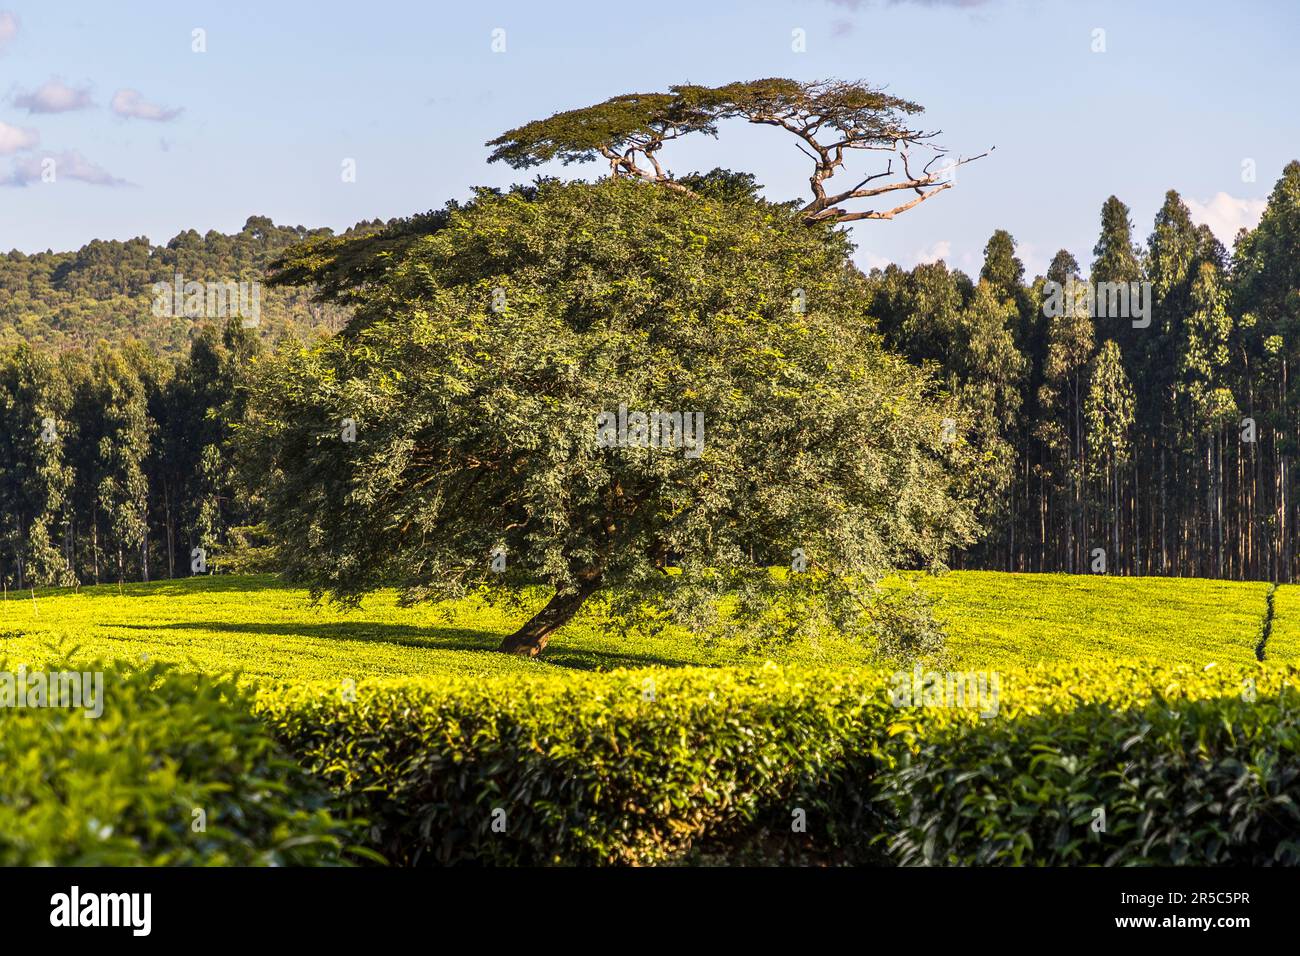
[62, 300]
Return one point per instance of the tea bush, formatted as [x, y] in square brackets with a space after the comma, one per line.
[630, 767]
[122, 789]
[677, 766]
[1202, 774]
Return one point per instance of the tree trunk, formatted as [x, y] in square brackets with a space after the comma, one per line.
[530, 640]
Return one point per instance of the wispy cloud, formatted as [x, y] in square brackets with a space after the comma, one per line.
[859, 4]
[926, 255]
[14, 139]
[68, 165]
[843, 27]
[8, 28]
[933, 253]
[132, 105]
[870, 260]
[1226, 214]
[54, 96]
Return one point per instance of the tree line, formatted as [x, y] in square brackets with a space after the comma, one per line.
[117, 464]
[1112, 444]
[104, 290]
[1091, 442]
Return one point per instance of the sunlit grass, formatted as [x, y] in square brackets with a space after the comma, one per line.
[271, 631]
[999, 619]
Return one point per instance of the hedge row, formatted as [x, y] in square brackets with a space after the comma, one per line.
[176, 770]
[631, 767]
[723, 765]
[1206, 782]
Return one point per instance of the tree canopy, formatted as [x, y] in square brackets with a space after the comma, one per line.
[452, 439]
[828, 118]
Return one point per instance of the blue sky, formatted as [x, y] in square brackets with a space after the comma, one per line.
[152, 138]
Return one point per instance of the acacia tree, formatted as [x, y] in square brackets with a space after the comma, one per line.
[451, 438]
[829, 118]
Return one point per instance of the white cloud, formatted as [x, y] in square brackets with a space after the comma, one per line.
[940, 250]
[1226, 214]
[870, 260]
[130, 104]
[69, 164]
[14, 139]
[8, 28]
[926, 255]
[54, 96]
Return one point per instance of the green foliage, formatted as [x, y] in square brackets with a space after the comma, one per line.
[117, 463]
[967, 335]
[724, 185]
[64, 300]
[1002, 269]
[1108, 409]
[339, 269]
[633, 121]
[1204, 773]
[641, 122]
[634, 767]
[655, 767]
[703, 763]
[477, 369]
[35, 479]
[856, 110]
[1116, 258]
[827, 116]
[121, 789]
[120, 492]
[249, 550]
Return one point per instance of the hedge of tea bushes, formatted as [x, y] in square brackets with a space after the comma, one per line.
[121, 789]
[723, 765]
[1211, 780]
[627, 767]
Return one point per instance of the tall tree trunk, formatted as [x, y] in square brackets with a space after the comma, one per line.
[530, 640]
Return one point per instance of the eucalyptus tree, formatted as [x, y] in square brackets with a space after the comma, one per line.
[117, 396]
[34, 473]
[1109, 411]
[1266, 273]
[1071, 341]
[1171, 258]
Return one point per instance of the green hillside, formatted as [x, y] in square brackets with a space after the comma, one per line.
[62, 300]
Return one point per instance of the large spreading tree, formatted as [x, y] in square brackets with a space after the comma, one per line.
[449, 439]
[830, 121]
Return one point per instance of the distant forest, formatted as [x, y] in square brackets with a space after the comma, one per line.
[1102, 446]
[72, 300]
